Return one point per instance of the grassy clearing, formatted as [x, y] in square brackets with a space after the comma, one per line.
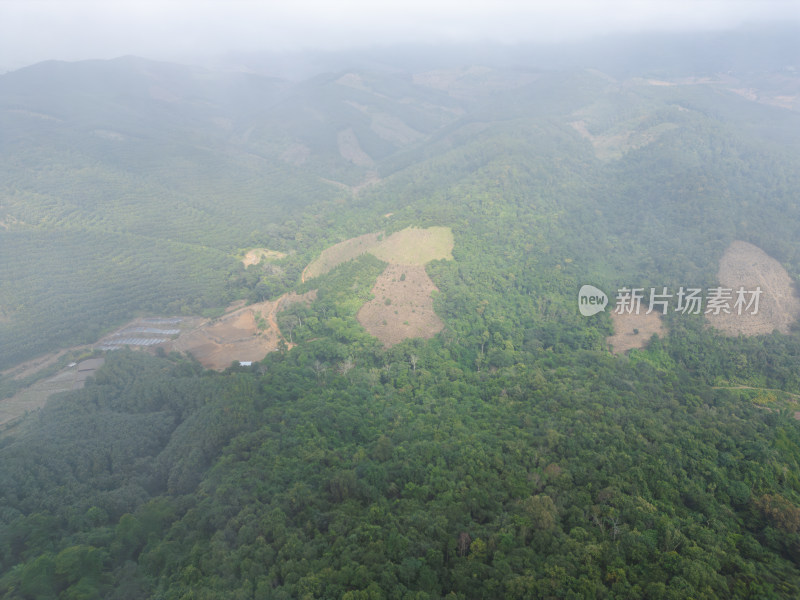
[615, 142]
[256, 255]
[340, 253]
[414, 246]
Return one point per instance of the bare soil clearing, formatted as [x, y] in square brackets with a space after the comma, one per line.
[245, 334]
[625, 338]
[747, 266]
[256, 255]
[402, 307]
[232, 337]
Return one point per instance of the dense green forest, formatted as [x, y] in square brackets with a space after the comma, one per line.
[511, 455]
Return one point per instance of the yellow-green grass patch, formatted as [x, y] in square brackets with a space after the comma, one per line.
[413, 246]
[256, 255]
[337, 254]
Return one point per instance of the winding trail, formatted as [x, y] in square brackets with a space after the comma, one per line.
[273, 323]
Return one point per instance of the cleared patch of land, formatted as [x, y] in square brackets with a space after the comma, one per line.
[35, 396]
[337, 254]
[411, 246]
[415, 246]
[256, 255]
[402, 307]
[747, 266]
[32, 366]
[616, 142]
[244, 334]
[633, 331]
[231, 337]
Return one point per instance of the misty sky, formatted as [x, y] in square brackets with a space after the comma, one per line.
[35, 30]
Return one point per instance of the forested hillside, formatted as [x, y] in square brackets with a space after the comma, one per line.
[509, 456]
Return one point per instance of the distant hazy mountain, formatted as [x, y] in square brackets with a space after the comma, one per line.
[168, 170]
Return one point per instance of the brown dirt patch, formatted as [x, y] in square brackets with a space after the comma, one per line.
[235, 304]
[256, 255]
[625, 339]
[747, 266]
[245, 334]
[234, 336]
[409, 313]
